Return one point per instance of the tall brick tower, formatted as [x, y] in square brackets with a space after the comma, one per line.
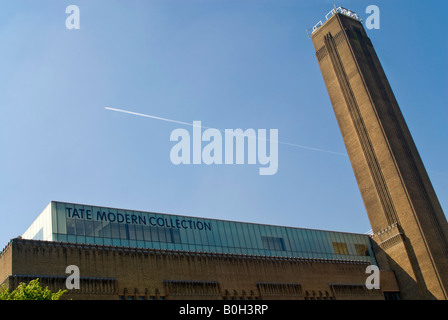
[410, 228]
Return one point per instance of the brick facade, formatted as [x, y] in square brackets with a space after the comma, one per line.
[123, 273]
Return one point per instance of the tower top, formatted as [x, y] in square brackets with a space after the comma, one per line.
[333, 11]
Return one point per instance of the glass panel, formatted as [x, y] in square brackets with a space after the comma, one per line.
[139, 232]
[71, 226]
[124, 232]
[220, 238]
[147, 233]
[306, 242]
[159, 234]
[115, 231]
[154, 236]
[315, 241]
[88, 228]
[124, 243]
[107, 230]
[61, 237]
[90, 240]
[228, 233]
[175, 234]
[340, 248]
[246, 237]
[361, 249]
[210, 234]
[61, 218]
[79, 224]
[295, 240]
[97, 228]
[197, 236]
[203, 233]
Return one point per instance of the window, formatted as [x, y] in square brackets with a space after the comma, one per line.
[139, 232]
[115, 230]
[124, 232]
[164, 235]
[175, 236]
[79, 227]
[340, 247]
[362, 250]
[273, 243]
[70, 226]
[88, 228]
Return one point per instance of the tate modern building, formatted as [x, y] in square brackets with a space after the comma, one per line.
[126, 254]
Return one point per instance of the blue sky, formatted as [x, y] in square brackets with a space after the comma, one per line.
[230, 64]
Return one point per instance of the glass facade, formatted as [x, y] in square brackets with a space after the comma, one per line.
[67, 222]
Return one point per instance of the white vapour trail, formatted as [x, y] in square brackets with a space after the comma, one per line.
[192, 125]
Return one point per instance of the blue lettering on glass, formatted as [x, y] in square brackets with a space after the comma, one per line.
[79, 213]
[165, 222]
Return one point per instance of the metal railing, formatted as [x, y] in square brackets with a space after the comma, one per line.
[333, 11]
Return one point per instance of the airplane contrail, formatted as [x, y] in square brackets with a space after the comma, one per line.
[192, 125]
